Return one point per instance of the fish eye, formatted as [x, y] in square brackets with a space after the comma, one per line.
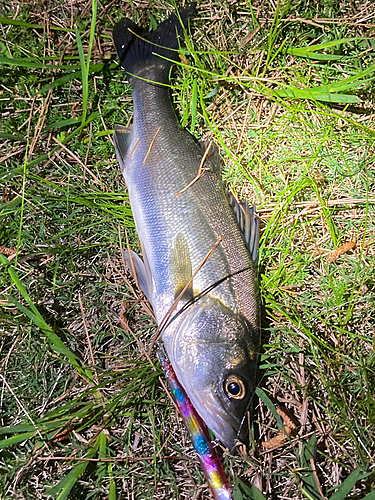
[234, 387]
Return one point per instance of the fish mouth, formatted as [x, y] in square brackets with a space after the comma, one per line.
[229, 439]
[225, 427]
[232, 436]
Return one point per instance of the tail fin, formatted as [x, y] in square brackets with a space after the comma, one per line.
[139, 50]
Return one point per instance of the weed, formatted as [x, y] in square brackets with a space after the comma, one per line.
[286, 91]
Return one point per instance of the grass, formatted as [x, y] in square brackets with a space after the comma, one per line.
[286, 90]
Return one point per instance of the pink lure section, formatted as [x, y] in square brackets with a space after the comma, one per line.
[207, 455]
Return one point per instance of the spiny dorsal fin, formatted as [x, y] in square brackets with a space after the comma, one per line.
[181, 269]
[248, 222]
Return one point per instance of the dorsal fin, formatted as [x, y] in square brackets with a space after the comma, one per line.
[248, 222]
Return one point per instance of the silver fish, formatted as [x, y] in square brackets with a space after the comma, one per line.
[182, 214]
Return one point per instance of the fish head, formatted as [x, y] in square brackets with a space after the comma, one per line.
[213, 352]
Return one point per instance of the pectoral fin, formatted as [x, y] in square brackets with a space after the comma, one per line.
[181, 269]
[122, 138]
[139, 271]
[249, 224]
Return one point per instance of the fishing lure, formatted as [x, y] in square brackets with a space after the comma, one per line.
[207, 455]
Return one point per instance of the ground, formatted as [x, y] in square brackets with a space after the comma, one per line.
[286, 92]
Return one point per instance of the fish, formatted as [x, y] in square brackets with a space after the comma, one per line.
[199, 243]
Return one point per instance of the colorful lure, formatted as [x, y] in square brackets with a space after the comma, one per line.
[207, 455]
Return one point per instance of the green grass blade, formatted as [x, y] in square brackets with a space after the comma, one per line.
[94, 7]
[316, 94]
[94, 69]
[19, 438]
[64, 123]
[112, 483]
[310, 51]
[266, 400]
[243, 492]
[84, 75]
[274, 33]
[253, 15]
[331, 92]
[194, 101]
[85, 64]
[12, 273]
[257, 494]
[346, 487]
[53, 150]
[57, 344]
[102, 453]
[35, 316]
[310, 488]
[16, 428]
[30, 63]
[64, 487]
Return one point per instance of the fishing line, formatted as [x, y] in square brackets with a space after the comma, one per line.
[195, 299]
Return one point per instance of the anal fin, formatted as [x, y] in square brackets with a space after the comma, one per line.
[138, 271]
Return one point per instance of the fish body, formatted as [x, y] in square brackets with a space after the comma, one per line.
[182, 213]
